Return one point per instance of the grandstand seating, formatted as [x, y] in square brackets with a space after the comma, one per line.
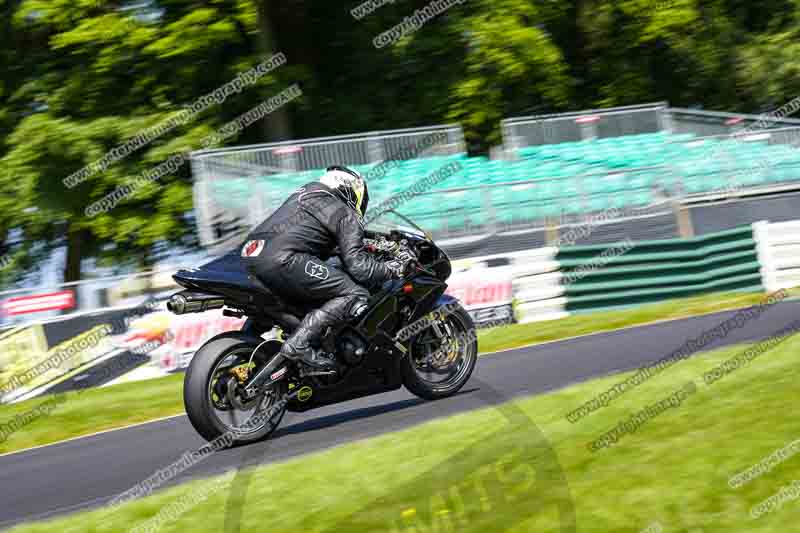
[549, 180]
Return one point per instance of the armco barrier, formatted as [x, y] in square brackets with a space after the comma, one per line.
[650, 271]
[778, 246]
[550, 283]
[538, 289]
[534, 278]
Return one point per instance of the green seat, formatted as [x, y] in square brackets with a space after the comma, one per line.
[476, 217]
[502, 196]
[694, 184]
[569, 188]
[608, 183]
[617, 201]
[715, 182]
[752, 176]
[549, 209]
[547, 190]
[505, 216]
[639, 180]
[598, 202]
[524, 201]
[572, 205]
[455, 221]
[787, 173]
[641, 198]
[526, 212]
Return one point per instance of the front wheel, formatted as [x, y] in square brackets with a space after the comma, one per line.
[442, 357]
[212, 390]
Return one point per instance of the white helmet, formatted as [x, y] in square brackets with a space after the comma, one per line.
[349, 185]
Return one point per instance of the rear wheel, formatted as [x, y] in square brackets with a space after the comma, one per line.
[442, 357]
[212, 390]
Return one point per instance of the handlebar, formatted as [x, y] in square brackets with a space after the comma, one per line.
[397, 246]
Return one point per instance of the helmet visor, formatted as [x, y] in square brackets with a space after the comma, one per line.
[361, 204]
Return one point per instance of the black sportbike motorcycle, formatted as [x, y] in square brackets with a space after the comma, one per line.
[239, 387]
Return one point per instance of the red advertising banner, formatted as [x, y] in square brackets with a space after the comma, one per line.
[476, 289]
[485, 292]
[37, 303]
[171, 340]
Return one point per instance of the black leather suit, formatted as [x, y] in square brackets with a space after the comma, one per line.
[298, 239]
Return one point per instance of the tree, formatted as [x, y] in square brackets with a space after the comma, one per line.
[84, 76]
[103, 75]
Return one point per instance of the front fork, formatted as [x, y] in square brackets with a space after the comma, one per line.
[443, 331]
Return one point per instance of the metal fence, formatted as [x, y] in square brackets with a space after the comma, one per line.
[712, 141]
[226, 213]
[534, 205]
[789, 136]
[519, 132]
[219, 224]
[748, 162]
[715, 123]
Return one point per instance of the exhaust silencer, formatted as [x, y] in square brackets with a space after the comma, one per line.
[193, 302]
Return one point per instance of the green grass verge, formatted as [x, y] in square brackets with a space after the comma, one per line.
[487, 470]
[93, 410]
[513, 336]
[121, 405]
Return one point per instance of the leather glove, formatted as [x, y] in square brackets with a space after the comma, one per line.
[405, 257]
[398, 269]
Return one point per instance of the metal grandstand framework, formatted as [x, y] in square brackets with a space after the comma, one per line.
[733, 129]
[519, 132]
[551, 212]
[457, 221]
[716, 123]
[218, 225]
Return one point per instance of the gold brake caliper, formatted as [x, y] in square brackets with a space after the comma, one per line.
[240, 372]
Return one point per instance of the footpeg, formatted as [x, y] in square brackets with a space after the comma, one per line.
[305, 374]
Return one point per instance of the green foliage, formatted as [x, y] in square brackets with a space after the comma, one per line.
[81, 77]
[510, 64]
[102, 76]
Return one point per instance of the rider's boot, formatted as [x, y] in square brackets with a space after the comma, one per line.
[298, 347]
[301, 345]
[314, 358]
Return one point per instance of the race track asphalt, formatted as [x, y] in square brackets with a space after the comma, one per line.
[88, 472]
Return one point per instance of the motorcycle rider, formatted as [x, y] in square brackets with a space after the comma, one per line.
[288, 252]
